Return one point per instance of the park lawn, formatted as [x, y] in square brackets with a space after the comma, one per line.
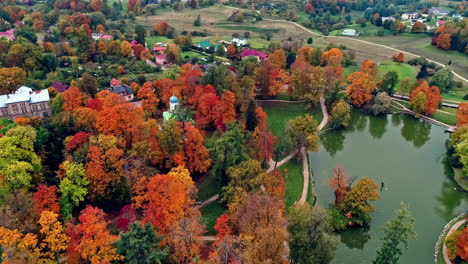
[461, 179]
[402, 69]
[294, 180]
[192, 54]
[350, 69]
[444, 118]
[207, 187]
[258, 43]
[210, 214]
[280, 113]
[448, 109]
[453, 97]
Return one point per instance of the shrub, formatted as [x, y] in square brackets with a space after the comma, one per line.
[338, 220]
[451, 243]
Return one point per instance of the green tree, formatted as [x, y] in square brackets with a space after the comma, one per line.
[72, 187]
[396, 235]
[140, 34]
[172, 72]
[88, 84]
[389, 82]
[27, 33]
[245, 177]
[340, 114]
[251, 117]
[141, 245]
[406, 85]
[443, 79]
[228, 150]
[312, 240]
[302, 132]
[85, 45]
[197, 21]
[419, 103]
[170, 139]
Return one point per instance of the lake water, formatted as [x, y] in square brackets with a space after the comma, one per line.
[408, 155]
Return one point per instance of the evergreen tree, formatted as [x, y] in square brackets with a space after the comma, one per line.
[197, 21]
[140, 34]
[251, 117]
[389, 82]
[422, 74]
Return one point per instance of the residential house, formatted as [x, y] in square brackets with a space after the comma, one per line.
[107, 37]
[440, 23]
[60, 87]
[123, 90]
[350, 32]
[437, 11]
[204, 45]
[409, 16]
[25, 102]
[96, 36]
[161, 59]
[114, 82]
[388, 18]
[239, 42]
[159, 50]
[254, 53]
[457, 16]
[9, 34]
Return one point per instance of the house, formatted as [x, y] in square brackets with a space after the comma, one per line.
[457, 16]
[219, 46]
[437, 11]
[239, 42]
[161, 59]
[123, 90]
[204, 44]
[9, 34]
[409, 16]
[254, 53]
[159, 50]
[440, 23]
[388, 19]
[114, 82]
[25, 102]
[96, 36]
[60, 87]
[107, 37]
[350, 32]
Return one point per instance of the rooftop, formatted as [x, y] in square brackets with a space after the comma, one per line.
[254, 52]
[60, 87]
[121, 89]
[24, 94]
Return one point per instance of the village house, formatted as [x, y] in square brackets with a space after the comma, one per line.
[204, 45]
[99, 36]
[9, 34]
[437, 11]
[409, 16]
[254, 53]
[60, 87]
[161, 59]
[440, 23]
[239, 42]
[25, 103]
[123, 90]
[388, 18]
[350, 32]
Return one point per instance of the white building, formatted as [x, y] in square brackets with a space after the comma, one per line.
[350, 32]
[409, 16]
[239, 42]
[25, 102]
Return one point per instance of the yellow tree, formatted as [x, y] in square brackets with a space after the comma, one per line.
[102, 47]
[55, 240]
[125, 49]
[278, 58]
[360, 88]
[21, 248]
[11, 79]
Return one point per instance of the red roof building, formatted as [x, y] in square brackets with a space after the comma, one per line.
[254, 53]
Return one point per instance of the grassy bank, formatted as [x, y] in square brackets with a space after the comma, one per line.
[210, 213]
[461, 180]
[294, 180]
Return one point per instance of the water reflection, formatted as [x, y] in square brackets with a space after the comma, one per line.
[396, 119]
[358, 121]
[333, 141]
[450, 197]
[415, 131]
[377, 126]
[356, 237]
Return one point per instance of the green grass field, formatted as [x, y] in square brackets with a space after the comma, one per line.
[249, 28]
[210, 213]
[153, 39]
[280, 113]
[402, 69]
[445, 118]
[192, 54]
[448, 109]
[453, 97]
[207, 187]
[294, 181]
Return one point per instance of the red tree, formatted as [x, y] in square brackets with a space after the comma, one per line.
[432, 97]
[45, 199]
[225, 110]
[77, 140]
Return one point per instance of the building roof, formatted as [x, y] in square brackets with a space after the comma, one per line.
[161, 56]
[174, 99]
[438, 10]
[24, 94]
[254, 52]
[10, 32]
[60, 87]
[96, 35]
[440, 22]
[204, 44]
[114, 82]
[349, 32]
[122, 90]
[107, 37]
[159, 48]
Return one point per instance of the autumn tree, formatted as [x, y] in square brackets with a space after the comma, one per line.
[278, 59]
[406, 85]
[444, 41]
[259, 220]
[302, 132]
[141, 245]
[165, 198]
[360, 88]
[432, 95]
[462, 114]
[11, 79]
[370, 68]
[419, 103]
[93, 241]
[262, 141]
[149, 100]
[72, 99]
[55, 240]
[462, 248]
[400, 57]
[334, 53]
[170, 140]
[125, 49]
[312, 240]
[17, 212]
[339, 182]
[225, 111]
[279, 79]
[21, 248]
[357, 204]
[161, 28]
[340, 114]
[396, 235]
[173, 53]
[45, 199]
[196, 154]
[419, 27]
[231, 52]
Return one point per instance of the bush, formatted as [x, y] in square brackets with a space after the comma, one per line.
[338, 220]
[310, 40]
[465, 97]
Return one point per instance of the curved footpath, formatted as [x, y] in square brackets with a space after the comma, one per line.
[444, 249]
[354, 39]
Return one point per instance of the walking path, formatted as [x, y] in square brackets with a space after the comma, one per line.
[438, 110]
[354, 39]
[444, 249]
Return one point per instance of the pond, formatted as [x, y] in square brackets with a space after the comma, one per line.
[408, 155]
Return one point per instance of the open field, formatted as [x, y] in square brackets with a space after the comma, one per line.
[210, 213]
[402, 69]
[445, 118]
